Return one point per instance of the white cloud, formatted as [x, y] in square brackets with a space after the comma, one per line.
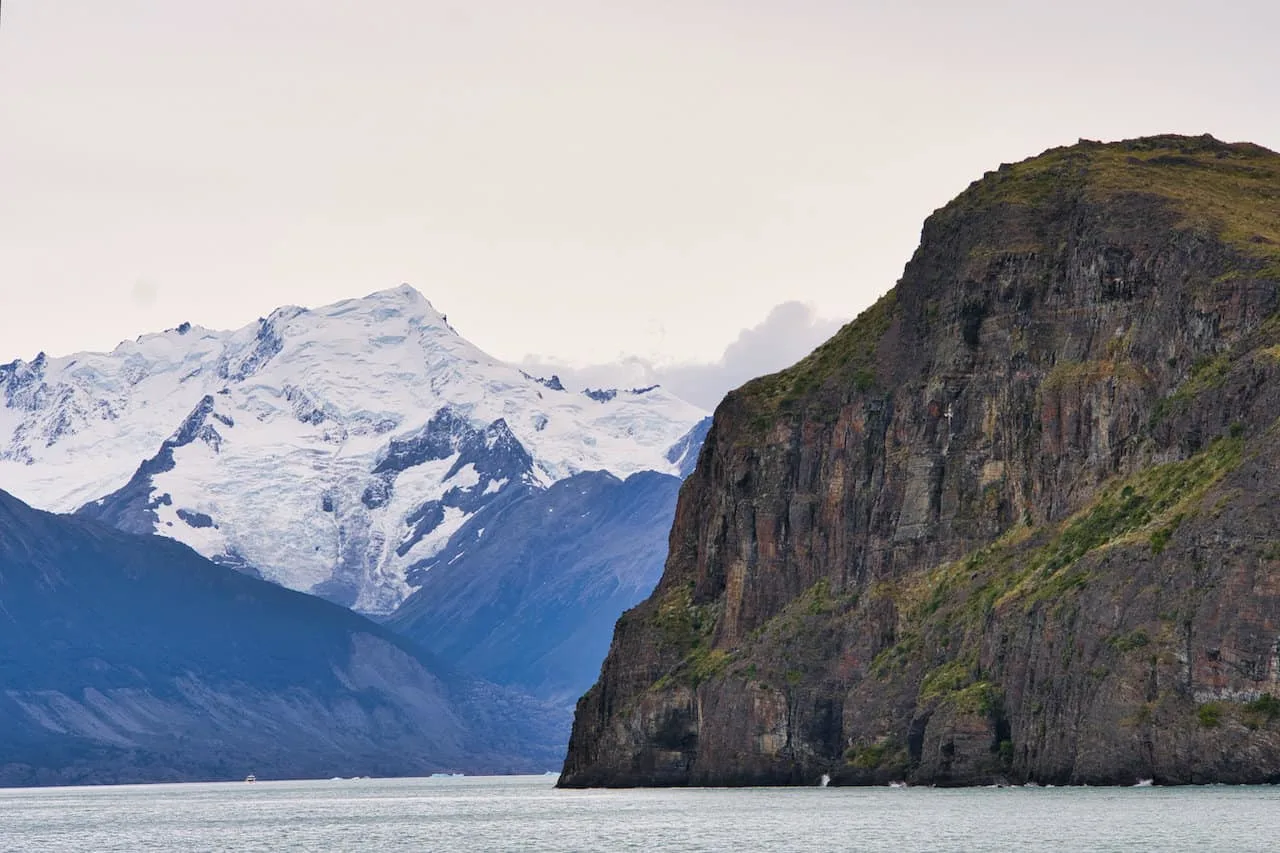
[787, 334]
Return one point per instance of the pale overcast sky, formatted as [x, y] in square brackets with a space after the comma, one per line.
[571, 181]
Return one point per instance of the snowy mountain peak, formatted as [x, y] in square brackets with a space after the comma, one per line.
[404, 301]
[331, 448]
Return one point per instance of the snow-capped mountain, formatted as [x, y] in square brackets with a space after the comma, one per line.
[334, 450]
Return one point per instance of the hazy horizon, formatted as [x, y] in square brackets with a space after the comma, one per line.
[574, 185]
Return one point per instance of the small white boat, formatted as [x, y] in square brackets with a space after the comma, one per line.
[251, 778]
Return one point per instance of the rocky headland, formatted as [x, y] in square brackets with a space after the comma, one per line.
[1016, 522]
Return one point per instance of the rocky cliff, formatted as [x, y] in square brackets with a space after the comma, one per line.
[1015, 522]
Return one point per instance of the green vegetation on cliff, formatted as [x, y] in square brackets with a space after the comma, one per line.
[849, 357]
[948, 607]
[685, 632]
[1228, 190]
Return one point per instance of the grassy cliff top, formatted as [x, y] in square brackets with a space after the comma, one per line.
[850, 352]
[1229, 190]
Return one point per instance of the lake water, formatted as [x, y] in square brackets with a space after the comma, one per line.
[528, 814]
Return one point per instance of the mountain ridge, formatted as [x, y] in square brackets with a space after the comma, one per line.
[536, 612]
[132, 659]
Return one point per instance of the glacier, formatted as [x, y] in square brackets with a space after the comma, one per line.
[334, 450]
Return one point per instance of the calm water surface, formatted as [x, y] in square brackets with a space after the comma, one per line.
[528, 814]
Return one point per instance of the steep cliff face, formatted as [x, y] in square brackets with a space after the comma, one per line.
[1017, 521]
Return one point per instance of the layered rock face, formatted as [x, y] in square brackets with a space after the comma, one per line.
[1015, 522]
